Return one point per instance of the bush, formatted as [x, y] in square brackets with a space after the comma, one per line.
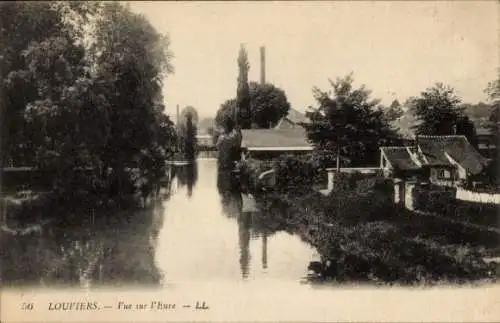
[359, 230]
[250, 170]
[442, 201]
[434, 199]
[346, 231]
[477, 213]
[294, 173]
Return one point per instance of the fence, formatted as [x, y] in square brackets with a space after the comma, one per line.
[477, 197]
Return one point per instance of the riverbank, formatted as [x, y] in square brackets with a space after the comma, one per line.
[362, 237]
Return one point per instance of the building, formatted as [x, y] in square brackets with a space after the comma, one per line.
[268, 143]
[205, 141]
[292, 120]
[441, 160]
[486, 142]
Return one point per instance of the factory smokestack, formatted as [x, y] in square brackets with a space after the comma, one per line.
[262, 65]
[177, 116]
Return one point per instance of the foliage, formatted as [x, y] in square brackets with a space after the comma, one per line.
[359, 235]
[250, 169]
[394, 111]
[80, 105]
[21, 24]
[439, 112]
[477, 213]
[442, 201]
[244, 113]
[229, 147]
[189, 137]
[295, 173]
[189, 111]
[465, 126]
[493, 92]
[349, 123]
[434, 199]
[268, 105]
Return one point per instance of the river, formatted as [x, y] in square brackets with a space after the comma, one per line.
[196, 233]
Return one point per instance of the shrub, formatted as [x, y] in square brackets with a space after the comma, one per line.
[250, 170]
[433, 199]
[293, 172]
[442, 201]
[477, 213]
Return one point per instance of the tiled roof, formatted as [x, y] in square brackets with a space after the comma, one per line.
[267, 138]
[399, 158]
[457, 147]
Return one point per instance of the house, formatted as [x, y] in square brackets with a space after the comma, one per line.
[292, 120]
[441, 160]
[486, 142]
[268, 143]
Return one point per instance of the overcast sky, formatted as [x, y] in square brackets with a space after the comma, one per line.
[396, 48]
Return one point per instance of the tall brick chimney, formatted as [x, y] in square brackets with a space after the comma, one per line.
[262, 65]
[177, 116]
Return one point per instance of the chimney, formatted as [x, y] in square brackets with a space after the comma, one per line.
[262, 65]
[177, 116]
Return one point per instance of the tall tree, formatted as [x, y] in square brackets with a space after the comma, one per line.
[189, 110]
[243, 113]
[20, 24]
[132, 59]
[437, 111]
[268, 104]
[394, 111]
[190, 138]
[440, 112]
[349, 125]
[80, 104]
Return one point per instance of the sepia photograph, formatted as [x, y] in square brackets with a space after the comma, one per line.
[249, 161]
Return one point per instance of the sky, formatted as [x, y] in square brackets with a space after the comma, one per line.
[396, 48]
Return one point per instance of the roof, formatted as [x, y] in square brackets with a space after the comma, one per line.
[275, 139]
[436, 148]
[399, 157]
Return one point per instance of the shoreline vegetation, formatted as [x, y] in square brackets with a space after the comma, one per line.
[362, 236]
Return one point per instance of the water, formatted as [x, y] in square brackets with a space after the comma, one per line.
[198, 233]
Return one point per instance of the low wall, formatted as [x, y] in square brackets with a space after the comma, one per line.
[471, 196]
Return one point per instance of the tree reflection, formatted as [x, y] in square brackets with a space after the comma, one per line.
[230, 195]
[187, 176]
[191, 177]
[254, 221]
[101, 253]
[244, 222]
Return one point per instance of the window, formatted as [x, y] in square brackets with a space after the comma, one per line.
[444, 173]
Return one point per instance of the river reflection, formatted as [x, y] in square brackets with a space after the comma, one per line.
[203, 231]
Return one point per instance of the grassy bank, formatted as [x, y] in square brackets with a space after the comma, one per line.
[368, 239]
